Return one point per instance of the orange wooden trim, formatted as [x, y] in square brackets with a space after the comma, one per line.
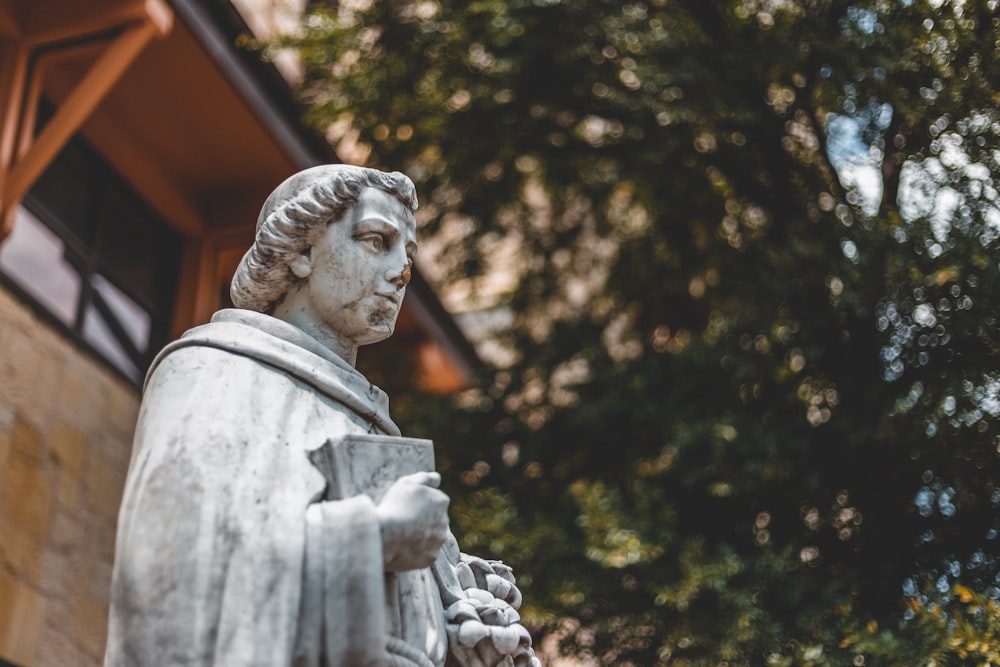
[13, 74]
[6, 223]
[56, 20]
[184, 306]
[76, 108]
[9, 25]
[29, 112]
[43, 58]
[205, 298]
[21, 83]
[161, 16]
[217, 251]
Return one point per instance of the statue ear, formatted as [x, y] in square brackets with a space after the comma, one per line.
[301, 266]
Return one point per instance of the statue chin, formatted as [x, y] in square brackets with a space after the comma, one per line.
[380, 328]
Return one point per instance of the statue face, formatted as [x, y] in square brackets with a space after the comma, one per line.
[356, 272]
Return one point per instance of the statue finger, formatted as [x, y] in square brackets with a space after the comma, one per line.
[432, 479]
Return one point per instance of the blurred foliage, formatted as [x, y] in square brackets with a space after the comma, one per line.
[745, 410]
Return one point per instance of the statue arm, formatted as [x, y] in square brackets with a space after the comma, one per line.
[343, 595]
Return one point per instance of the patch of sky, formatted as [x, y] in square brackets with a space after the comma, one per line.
[850, 250]
[987, 396]
[935, 496]
[946, 188]
[864, 20]
[939, 188]
[924, 501]
[946, 506]
[923, 314]
[853, 145]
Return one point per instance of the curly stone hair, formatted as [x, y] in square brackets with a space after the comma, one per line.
[305, 202]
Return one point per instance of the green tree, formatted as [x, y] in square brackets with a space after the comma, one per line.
[746, 410]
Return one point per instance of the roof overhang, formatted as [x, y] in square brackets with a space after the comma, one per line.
[204, 130]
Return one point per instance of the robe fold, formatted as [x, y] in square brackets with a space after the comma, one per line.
[226, 552]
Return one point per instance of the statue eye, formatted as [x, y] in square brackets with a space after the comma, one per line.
[376, 241]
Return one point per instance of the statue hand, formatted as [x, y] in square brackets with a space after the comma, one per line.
[413, 520]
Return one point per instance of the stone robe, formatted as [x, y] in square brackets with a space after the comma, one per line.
[226, 552]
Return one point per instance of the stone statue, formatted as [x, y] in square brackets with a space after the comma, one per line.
[233, 547]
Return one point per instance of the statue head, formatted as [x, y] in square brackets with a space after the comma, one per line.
[292, 220]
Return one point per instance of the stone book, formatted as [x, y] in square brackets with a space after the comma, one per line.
[369, 464]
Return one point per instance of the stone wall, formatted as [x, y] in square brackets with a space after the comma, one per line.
[66, 425]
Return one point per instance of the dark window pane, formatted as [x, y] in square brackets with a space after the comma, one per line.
[118, 327]
[139, 252]
[90, 237]
[35, 258]
[65, 193]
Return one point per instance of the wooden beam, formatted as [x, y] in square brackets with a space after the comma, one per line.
[29, 113]
[218, 250]
[10, 19]
[75, 109]
[52, 21]
[47, 29]
[187, 286]
[145, 173]
[44, 59]
[13, 75]
[206, 299]
[160, 15]
[6, 223]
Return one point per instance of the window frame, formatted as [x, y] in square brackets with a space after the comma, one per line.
[88, 259]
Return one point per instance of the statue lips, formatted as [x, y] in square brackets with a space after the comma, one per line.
[394, 298]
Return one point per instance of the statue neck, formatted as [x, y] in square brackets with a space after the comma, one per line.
[301, 318]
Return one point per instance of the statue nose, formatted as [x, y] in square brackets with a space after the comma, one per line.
[399, 266]
[400, 273]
